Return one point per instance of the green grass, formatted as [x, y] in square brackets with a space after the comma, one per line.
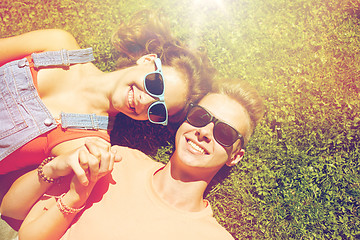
[300, 178]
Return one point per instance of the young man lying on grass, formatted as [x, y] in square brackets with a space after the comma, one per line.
[104, 197]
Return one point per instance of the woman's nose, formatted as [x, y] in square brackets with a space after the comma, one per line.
[144, 101]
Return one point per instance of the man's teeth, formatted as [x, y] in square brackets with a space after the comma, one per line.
[196, 147]
[131, 98]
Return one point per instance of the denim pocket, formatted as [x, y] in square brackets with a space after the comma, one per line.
[11, 119]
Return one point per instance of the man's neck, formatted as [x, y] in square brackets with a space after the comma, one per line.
[182, 194]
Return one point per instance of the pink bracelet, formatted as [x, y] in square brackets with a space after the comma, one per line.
[66, 209]
[41, 172]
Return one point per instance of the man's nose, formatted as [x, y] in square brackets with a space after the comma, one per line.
[205, 133]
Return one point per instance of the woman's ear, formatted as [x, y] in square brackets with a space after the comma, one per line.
[146, 58]
[236, 157]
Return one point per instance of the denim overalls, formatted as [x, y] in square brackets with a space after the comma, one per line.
[23, 116]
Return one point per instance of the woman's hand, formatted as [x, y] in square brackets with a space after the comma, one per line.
[89, 162]
[96, 160]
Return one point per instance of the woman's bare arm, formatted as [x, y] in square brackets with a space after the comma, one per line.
[16, 47]
[28, 188]
[46, 220]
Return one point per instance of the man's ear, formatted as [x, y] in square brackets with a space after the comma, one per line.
[146, 58]
[235, 157]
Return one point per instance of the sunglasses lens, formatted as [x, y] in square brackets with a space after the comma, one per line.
[157, 112]
[198, 117]
[154, 83]
[225, 134]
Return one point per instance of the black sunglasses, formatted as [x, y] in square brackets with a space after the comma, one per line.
[223, 133]
[155, 86]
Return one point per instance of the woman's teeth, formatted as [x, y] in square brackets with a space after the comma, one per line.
[131, 99]
[196, 147]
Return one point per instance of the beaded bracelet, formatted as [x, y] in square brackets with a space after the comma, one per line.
[41, 172]
[66, 209]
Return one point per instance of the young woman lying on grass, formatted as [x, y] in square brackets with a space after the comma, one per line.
[55, 98]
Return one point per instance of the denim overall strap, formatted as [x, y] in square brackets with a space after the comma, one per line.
[62, 57]
[86, 121]
[66, 58]
[23, 115]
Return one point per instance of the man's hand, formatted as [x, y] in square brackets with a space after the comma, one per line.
[95, 161]
[89, 162]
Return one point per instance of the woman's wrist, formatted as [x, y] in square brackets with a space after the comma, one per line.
[79, 194]
[46, 171]
[75, 199]
[69, 203]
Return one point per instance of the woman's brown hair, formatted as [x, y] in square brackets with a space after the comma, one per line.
[149, 32]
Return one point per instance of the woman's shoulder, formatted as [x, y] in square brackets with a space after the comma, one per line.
[53, 39]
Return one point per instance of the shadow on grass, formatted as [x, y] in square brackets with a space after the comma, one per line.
[142, 135]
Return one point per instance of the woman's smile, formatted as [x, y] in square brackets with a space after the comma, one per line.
[130, 98]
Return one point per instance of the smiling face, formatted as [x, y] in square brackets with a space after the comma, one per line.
[132, 99]
[197, 149]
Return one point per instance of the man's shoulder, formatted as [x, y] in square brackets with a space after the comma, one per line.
[128, 152]
[216, 231]
[134, 156]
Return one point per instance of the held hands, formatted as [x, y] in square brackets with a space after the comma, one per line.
[89, 163]
[95, 161]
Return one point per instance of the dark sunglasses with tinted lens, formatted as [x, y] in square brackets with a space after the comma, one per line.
[155, 86]
[223, 133]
